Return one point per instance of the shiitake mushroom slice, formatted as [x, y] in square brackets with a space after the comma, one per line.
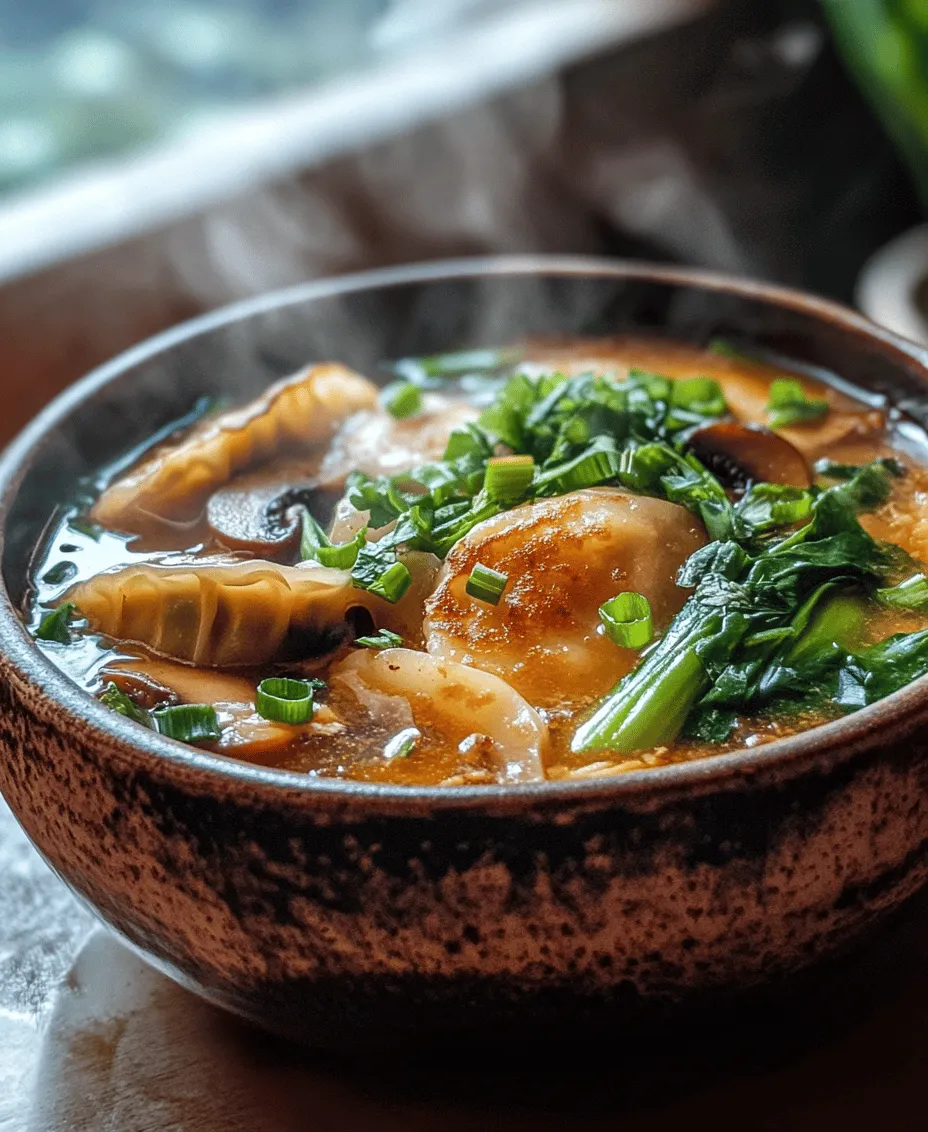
[740, 454]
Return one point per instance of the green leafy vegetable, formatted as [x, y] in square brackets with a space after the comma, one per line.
[790, 405]
[384, 639]
[189, 723]
[54, 625]
[910, 594]
[402, 399]
[724, 651]
[119, 702]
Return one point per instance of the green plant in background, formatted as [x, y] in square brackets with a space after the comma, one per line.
[885, 42]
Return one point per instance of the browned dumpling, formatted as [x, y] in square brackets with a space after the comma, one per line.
[172, 487]
[564, 558]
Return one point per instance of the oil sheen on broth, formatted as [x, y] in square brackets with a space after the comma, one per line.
[572, 472]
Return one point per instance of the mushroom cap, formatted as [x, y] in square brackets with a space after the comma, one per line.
[740, 454]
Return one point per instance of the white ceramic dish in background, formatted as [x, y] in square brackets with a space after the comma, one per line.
[892, 288]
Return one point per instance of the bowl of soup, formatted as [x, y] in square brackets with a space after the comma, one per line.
[477, 644]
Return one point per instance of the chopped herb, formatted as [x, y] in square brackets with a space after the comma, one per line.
[316, 546]
[189, 723]
[117, 700]
[54, 624]
[402, 399]
[486, 584]
[284, 700]
[790, 405]
[728, 648]
[508, 478]
[384, 639]
[392, 583]
[59, 573]
[626, 619]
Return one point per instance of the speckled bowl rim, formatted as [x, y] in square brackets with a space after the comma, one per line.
[78, 708]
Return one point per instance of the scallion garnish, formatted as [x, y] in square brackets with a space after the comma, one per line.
[392, 583]
[283, 700]
[342, 556]
[313, 537]
[117, 700]
[599, 463]
[508, 478]
[383, 640]
[402, 399]
[626, 619]
[54, 625]
[700, 395]
[790, 405]
[486, 584]
[316, 546]
[189, 723]
[402, 744]
[59, 573]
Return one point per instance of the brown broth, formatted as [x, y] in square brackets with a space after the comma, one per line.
[348, 742]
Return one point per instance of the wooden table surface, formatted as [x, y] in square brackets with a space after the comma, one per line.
[92, 1040]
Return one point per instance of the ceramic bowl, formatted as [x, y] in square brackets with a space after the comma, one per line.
[340, 912]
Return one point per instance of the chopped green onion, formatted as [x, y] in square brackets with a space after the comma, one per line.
[702, 395]
[402, 744]
[189, 723]
[592, 467]
[486, 584]
[283, 700]
[60, 572]
[392, 583]
[342, 556]
[383, 640]
[509, 477]
[790, 405]
[85, 527]
[316, 546]
[910, 594]
[54, 625]
[313, 537]
[627, 620]
[726, 349]
[117, 700]
[402, 399]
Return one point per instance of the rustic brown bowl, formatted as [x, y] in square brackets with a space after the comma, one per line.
[341, 912]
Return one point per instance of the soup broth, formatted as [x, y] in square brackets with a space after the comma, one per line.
[563, 560]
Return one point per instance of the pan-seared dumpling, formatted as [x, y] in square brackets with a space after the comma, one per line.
[564, 557]
[470, 715]
[221, 614]
[173, 485]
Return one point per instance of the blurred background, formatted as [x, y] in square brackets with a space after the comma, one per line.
[161, 157]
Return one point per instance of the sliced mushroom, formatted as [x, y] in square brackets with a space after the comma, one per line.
[172, 486]
[741, 454]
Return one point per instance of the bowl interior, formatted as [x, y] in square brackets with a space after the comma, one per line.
[363, 319]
